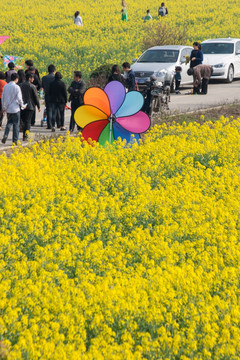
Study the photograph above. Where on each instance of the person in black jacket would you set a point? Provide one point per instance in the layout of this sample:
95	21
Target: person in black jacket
30	97
38	85
130	82
76	90
58	96
29	63
196	56
46	81
116	74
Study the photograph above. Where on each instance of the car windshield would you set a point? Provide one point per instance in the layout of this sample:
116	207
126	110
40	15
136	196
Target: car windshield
159	56
218	48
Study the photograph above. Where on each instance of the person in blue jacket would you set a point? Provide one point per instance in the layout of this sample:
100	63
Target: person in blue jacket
196	57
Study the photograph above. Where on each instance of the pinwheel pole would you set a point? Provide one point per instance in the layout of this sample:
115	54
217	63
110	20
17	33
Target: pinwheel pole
110	132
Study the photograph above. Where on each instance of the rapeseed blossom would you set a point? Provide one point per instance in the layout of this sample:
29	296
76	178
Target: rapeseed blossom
46	32
122	253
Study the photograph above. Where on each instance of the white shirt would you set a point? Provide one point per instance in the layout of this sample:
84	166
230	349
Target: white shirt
12	98
78	21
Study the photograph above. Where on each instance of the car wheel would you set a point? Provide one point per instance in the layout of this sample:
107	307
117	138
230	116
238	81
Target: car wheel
230	76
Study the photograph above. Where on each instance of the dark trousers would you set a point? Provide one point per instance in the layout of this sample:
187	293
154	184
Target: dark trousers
49	109
196	89
1	113
13	120
205	86
26	116
33	120
58	110
74	107
178	82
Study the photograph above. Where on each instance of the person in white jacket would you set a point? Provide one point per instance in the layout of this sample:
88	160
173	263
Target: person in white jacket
77	19
12	102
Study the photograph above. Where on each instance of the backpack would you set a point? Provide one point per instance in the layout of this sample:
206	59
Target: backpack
162	11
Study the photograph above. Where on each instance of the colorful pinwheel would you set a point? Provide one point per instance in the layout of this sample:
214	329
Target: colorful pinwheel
111	113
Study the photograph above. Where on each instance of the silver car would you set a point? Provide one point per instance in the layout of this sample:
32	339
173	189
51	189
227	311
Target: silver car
161	62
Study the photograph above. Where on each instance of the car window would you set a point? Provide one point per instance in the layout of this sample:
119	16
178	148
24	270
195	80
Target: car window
185	52
217	48
159	56
238	47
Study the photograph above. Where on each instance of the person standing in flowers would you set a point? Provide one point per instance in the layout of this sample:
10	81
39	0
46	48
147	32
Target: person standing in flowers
124	14
30	97
77	19
12	102
58	95
76	91
2	84
46	81
162	11
148	16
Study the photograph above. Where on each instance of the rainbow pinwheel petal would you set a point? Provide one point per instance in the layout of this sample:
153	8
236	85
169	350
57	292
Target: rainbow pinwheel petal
132	104
136	124
105	136
116	94
120	132
97	98
94	129
87	114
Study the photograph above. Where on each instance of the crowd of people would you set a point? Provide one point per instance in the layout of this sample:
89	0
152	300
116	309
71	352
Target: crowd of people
162	11
201	73
19	97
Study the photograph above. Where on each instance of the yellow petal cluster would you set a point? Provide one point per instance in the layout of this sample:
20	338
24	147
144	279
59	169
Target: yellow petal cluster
123	253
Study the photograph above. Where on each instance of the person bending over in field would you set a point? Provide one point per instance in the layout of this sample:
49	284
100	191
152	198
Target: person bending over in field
77	19
76	91
201	75
116	74
148	16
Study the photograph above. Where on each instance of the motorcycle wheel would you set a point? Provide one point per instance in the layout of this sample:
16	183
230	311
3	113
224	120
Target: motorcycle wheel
152	106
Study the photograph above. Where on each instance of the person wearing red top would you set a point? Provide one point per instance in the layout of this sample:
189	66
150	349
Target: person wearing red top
2	84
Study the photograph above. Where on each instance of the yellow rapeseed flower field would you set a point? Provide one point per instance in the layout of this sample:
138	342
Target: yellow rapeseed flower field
122	253
44	30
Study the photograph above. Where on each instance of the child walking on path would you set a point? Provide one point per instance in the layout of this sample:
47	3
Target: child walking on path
178	78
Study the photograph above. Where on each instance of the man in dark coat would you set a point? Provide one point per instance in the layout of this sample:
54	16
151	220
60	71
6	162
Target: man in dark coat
38	85
76	91
30	97
46	81
130	82
58	96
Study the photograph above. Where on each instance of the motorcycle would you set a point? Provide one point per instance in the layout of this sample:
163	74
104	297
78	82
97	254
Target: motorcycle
156	96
